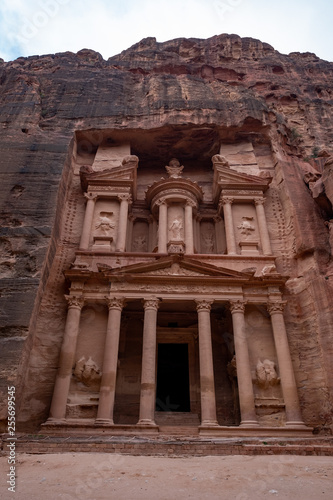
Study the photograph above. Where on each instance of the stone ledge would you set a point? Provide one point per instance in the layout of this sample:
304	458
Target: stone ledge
161	446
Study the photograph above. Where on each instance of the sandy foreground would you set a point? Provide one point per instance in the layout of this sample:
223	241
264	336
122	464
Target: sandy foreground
106	476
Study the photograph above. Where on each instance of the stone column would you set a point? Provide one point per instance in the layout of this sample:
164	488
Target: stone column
288	382
66	361
229	225
207	386
189	242
148	371
262	225
162	226
88	219
109	370
125	200
244	375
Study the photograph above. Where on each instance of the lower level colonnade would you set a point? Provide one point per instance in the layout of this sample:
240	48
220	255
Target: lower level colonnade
107	390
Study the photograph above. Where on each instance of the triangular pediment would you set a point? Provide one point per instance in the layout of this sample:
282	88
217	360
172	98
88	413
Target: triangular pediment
122	175
175	267
227	178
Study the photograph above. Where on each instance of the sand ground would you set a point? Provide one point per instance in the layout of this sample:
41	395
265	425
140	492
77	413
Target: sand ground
121	477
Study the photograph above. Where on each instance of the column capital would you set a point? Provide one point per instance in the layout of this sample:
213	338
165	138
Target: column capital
227	200
75	301
190	203
204	305
161	201
151	303
237	306
217	218
125	197
115	303
90	196
259	201
276	307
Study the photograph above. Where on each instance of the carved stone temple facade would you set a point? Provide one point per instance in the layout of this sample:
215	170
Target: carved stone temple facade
166	241
175	307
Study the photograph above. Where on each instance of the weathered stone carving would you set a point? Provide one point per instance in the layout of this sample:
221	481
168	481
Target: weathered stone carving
140	243
266	374
176	227
174	168
245	227
87	372
104	225
207	242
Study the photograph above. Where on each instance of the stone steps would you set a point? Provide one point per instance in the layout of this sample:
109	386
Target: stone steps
170	445
176	419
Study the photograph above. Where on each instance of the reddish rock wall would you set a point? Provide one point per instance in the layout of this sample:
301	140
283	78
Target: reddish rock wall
165	97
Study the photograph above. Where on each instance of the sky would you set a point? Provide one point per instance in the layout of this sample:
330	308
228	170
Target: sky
37	27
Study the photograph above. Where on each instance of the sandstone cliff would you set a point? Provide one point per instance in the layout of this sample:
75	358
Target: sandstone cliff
167	96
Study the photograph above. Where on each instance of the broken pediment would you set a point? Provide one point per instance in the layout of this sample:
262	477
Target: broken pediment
124	175
227	178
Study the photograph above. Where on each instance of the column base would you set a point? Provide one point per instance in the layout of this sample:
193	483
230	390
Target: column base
147	422
53	420
296	423
249	423
104	421
209	423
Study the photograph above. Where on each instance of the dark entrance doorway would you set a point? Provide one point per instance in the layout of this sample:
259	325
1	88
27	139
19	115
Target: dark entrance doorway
172	392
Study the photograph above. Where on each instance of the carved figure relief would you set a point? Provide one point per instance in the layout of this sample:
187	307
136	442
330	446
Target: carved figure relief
245	227
104	225
87	372
140	243
174	168
266	374
207	242
176	227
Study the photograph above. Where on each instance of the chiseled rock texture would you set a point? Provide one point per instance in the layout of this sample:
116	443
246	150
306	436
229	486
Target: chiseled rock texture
222	89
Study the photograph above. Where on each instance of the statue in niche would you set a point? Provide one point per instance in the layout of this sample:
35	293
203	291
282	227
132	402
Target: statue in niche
208	242
104	224
245	227
87	372
140	243
174	168
175	227
266	374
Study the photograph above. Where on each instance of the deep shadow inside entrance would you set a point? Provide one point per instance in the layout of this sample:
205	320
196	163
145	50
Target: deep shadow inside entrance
172	392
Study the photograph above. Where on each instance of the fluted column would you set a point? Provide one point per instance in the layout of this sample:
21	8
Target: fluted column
229	225
207	386
88	219
125	200
148	371
162	226
262	225
109	370
66	361
189	242
244	375
286	371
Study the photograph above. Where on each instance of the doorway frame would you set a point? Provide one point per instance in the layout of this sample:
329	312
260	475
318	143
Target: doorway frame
189	336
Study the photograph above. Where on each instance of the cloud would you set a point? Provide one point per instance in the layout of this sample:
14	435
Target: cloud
30	27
